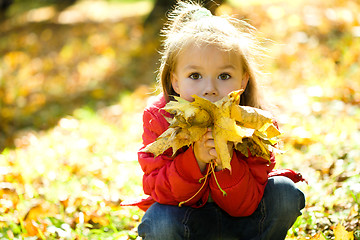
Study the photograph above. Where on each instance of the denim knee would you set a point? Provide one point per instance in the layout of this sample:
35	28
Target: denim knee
284	196
161	222
280	206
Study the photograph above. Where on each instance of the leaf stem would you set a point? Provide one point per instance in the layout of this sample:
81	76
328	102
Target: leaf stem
202	186
212	163
210	170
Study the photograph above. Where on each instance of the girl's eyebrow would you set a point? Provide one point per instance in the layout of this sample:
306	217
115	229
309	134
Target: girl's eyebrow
192	67
228	66
198	67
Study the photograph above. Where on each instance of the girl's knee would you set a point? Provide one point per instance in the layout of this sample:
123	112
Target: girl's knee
285	197
157	229
160	222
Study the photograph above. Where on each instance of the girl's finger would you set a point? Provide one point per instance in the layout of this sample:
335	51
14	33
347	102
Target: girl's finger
210	143
218	161
209	135
213	153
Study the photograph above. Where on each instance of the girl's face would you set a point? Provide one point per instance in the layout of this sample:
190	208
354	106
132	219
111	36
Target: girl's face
208	72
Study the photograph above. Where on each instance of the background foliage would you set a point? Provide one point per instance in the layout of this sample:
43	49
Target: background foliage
74	82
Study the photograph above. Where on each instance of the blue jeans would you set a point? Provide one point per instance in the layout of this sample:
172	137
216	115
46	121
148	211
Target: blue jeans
276	213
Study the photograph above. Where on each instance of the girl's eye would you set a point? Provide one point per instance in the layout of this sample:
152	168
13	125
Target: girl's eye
195	76
224	76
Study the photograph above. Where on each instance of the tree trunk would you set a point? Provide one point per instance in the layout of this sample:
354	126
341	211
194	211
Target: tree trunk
4	5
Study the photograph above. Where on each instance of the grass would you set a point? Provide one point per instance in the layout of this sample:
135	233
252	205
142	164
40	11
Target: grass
69	177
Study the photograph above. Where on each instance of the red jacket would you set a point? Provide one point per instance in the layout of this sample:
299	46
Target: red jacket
171	180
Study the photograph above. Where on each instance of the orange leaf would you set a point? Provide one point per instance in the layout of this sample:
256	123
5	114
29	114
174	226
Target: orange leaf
8	197
34	221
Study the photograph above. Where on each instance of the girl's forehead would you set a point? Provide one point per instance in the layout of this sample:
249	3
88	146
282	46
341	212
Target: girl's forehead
196	49
203	54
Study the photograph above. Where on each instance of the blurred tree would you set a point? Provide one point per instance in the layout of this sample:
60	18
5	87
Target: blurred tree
60	5
158	13
4	5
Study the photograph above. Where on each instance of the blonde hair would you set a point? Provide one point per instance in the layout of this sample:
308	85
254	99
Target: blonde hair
190	23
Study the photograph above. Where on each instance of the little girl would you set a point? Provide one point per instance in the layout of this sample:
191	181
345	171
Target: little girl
210	56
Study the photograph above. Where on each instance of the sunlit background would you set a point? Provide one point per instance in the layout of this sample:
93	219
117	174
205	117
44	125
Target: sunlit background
76	75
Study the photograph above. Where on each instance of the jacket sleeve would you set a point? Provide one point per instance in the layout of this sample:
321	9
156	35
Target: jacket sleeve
244	185
167	179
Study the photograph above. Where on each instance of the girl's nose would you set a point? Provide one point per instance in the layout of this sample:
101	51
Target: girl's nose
210	88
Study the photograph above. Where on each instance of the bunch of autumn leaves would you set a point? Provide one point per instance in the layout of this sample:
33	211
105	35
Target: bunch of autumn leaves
249	129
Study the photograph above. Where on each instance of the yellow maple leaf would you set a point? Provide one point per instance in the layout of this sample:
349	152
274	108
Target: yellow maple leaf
341	233
188	113
225	130
230	123
251	117
161	144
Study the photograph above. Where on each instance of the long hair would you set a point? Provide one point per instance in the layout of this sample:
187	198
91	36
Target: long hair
190	23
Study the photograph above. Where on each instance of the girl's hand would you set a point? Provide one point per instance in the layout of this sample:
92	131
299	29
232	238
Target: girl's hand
204	149
205	152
